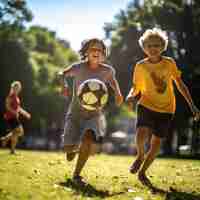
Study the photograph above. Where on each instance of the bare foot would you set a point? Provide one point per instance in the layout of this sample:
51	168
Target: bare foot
78	180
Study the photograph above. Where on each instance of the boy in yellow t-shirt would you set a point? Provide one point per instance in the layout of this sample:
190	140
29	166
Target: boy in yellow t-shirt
153	87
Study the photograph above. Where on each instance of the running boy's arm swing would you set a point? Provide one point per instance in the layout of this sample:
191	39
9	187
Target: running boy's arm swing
186	94
24	113
132	98
115	86
176	76
20	110
67	72
134	93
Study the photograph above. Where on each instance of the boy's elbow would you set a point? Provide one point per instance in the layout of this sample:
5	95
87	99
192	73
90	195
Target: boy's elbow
183	89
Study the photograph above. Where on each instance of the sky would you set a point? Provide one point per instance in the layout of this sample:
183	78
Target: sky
75	20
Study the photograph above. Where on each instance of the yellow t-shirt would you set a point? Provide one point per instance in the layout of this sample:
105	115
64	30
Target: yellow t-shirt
155	84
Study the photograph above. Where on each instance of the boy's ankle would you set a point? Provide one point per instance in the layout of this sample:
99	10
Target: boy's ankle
12	151
140	157
75	174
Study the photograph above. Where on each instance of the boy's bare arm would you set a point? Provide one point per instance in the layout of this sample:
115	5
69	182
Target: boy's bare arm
62	75
24	113
132	98
68	71
186	94
115	86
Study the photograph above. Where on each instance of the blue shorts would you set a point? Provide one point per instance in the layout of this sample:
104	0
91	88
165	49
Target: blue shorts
160	123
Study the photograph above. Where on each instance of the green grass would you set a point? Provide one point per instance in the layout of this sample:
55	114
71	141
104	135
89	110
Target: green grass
32	175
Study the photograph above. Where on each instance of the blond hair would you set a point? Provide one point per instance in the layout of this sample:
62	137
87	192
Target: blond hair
155	32
16	83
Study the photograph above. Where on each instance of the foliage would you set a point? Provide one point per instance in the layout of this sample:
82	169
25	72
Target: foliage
32	55
14	13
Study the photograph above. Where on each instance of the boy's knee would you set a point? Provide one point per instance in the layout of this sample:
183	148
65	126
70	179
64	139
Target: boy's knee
89	138
94	148
19	131
88	142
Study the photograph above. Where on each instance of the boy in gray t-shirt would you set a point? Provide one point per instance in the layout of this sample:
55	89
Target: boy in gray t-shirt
84	129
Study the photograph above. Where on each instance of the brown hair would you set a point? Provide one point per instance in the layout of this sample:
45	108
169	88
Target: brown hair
86	44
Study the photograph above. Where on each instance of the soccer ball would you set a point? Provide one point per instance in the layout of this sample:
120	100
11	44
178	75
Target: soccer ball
93	94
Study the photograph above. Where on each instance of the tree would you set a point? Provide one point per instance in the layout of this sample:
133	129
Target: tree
32	56
14	12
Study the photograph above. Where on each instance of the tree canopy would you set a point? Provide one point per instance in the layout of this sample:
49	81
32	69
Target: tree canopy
33	56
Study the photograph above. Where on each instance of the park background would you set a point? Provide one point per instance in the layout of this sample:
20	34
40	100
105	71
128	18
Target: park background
33	53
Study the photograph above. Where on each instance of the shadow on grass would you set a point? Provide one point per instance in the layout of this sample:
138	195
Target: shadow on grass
176	195
156	190
88	190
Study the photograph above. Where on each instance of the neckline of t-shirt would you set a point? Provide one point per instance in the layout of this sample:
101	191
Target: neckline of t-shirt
161	60
91	69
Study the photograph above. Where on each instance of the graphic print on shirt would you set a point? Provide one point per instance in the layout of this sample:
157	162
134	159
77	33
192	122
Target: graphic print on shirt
159	82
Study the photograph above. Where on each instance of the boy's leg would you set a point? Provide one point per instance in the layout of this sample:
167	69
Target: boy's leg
141	135
154	149
17	132
71	151
5	139
14	140
71	137
84	152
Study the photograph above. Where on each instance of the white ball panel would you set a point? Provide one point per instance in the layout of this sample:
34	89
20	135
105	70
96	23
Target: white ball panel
94	86
88	107
89	98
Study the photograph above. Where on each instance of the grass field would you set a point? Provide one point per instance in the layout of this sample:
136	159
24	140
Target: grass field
32	175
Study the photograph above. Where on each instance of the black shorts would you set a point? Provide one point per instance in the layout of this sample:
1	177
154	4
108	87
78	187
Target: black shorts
159	122
13	123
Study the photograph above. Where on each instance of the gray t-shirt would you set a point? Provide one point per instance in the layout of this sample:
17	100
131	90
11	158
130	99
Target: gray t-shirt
81	72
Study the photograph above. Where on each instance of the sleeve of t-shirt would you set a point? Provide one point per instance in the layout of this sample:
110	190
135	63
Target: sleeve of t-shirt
71	71
137	80
176	73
